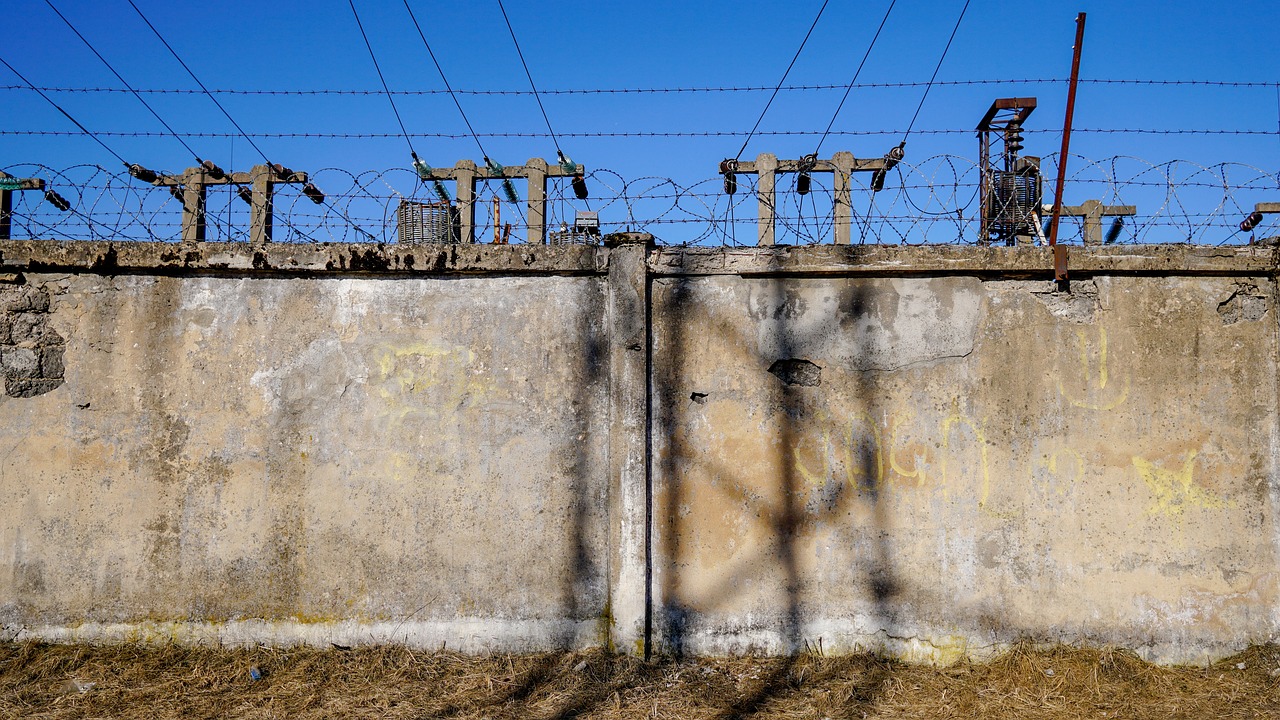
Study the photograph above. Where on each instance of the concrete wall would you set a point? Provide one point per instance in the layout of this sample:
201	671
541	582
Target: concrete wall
706	451
322	459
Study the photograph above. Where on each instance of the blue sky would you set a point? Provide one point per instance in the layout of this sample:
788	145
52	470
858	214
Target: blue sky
580	45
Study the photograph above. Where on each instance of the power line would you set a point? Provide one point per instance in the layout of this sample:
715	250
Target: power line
390	99
856	73
66	114
912	124
123	81
783	80
444	79
529	75
202	87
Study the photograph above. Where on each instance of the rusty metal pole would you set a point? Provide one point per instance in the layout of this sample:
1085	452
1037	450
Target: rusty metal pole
1060	253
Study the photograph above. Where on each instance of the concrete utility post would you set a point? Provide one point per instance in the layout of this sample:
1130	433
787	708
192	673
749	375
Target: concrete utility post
536	171
842	165
1093	211
8	185
261	180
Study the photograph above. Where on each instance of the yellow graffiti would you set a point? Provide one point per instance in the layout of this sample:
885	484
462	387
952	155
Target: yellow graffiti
1174	490
854	467
1092	388
918	467
406	371
957	419
872	441
1076	462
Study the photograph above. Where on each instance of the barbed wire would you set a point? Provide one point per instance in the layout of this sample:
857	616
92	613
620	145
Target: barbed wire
670	90
634	133
933	201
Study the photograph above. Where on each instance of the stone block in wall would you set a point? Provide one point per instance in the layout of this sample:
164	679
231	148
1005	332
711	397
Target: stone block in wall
31	350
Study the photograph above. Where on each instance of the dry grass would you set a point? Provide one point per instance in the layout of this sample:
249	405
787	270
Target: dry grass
153	683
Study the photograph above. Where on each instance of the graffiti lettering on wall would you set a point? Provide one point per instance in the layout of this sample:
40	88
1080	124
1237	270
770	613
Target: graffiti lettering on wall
1095	388
421	380
1174	491
949	453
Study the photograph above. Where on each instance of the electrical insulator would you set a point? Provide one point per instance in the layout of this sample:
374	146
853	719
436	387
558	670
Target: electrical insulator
441	192
1251	221
895	155
313	193
803	180
142	173
57	200
510	191
729	168
420	167
495	170
1113	232
877	180
176	192
580	187
568	165
282	172
213	170
245	194
1013	137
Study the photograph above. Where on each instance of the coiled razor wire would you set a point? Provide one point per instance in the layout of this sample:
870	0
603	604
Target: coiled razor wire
933	201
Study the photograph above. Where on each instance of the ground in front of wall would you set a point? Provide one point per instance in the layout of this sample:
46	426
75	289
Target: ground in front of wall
155	683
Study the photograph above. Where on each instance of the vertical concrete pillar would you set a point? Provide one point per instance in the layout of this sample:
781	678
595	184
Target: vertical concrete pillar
260	220
843	162
464	173
629	496
767	170
193	204
536	172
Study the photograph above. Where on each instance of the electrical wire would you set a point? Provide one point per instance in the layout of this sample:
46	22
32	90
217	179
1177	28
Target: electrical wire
856	73
385	89
444	79
124	82
66	114
529	75
783	80
927	87
197	80
648	134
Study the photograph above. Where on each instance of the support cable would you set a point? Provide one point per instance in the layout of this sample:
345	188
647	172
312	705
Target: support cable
783	80
927	87
124	82
448	87
854	81
385	89
197	80
66	114
529	75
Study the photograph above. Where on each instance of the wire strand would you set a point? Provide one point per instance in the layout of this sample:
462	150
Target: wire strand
385	89
202	87
529	75
927	87
856	73
783	80
123	81
66	114
444	79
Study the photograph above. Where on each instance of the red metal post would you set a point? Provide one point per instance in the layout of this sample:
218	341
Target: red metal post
1060	265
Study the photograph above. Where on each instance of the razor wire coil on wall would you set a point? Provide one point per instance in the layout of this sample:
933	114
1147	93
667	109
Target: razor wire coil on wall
933	201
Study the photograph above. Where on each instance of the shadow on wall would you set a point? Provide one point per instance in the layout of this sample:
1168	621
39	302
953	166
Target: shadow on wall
775	507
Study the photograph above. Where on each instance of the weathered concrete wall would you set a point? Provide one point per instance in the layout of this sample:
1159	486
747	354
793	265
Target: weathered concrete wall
687	450
941	465
321	459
